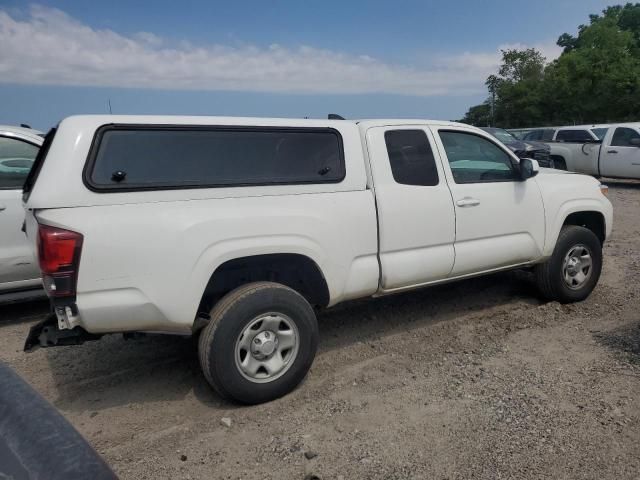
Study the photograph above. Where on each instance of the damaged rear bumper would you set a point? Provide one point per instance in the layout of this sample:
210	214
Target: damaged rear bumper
48	334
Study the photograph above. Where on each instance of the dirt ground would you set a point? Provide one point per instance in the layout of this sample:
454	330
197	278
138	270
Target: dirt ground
472	380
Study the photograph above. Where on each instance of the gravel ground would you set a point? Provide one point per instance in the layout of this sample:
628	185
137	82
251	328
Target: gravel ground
478	379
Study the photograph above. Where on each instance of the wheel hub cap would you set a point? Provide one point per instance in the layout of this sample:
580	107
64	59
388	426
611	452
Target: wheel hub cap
576	267
267	347
264	344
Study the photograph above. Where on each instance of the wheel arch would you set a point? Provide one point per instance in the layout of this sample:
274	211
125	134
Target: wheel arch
584	213
560	152
591	220
297	271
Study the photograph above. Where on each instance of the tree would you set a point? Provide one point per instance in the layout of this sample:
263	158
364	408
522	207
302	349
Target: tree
596	79
511	92
478	115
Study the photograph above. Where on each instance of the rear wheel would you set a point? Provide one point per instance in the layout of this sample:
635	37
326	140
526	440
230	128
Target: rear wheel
573	270
260	342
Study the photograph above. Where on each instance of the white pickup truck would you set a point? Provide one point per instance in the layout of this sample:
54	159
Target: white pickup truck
604	151
238	229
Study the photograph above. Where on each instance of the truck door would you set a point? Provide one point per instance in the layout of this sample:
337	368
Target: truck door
620	155
415	210
499	218
18	267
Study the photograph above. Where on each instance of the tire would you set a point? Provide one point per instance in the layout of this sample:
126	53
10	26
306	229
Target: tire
562	281
251	326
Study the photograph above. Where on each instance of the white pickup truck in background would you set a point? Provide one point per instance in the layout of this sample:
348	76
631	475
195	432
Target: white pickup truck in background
239	229
616	155
599	150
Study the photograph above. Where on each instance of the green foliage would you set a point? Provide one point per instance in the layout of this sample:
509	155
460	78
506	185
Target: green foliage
479	115
596	79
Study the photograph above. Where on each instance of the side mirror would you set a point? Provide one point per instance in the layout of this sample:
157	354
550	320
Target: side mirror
529	168
635	142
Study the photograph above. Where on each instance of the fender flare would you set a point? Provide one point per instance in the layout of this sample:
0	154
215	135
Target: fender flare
567	208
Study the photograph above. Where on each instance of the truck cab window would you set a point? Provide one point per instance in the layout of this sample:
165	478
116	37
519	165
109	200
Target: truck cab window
474	159
622	137
533	135
16	158
577	136
411	157
547	135
599	132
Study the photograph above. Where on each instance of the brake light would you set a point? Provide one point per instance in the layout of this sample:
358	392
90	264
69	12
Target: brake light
59	257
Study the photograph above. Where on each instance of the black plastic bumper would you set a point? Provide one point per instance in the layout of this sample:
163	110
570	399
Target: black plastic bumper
47	334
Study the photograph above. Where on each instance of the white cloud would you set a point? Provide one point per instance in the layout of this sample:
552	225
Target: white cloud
50	47
549	50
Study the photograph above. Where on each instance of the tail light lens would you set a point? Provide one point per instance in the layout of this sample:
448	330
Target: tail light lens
59	257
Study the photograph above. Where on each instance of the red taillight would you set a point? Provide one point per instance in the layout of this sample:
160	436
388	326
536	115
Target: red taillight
59	256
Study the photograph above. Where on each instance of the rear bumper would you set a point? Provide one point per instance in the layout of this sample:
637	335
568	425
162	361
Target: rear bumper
47	334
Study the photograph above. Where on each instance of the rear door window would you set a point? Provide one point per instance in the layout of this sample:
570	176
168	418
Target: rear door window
126	157
411	157
16	160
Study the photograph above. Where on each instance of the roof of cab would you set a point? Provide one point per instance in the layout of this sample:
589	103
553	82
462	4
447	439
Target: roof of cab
21	132
226	120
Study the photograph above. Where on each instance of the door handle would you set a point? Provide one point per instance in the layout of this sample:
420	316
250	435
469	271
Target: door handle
2	207
468	202
612	151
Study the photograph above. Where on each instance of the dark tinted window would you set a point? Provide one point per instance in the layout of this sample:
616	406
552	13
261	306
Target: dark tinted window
622	137
599	132
217	156
16	159
37	164
573	136
474	159
547	134
411	158
540	134
533	135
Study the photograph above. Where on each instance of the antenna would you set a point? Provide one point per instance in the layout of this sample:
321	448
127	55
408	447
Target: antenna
334	116
109	101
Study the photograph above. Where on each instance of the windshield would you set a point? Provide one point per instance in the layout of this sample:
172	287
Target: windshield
502	135
599	132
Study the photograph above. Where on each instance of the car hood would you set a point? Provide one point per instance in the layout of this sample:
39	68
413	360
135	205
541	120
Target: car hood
520	146
554	171
536	145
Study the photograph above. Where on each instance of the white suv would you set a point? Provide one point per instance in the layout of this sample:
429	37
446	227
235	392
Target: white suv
239	229
19	271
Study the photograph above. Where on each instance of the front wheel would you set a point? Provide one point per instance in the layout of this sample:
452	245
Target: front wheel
573	270
260	342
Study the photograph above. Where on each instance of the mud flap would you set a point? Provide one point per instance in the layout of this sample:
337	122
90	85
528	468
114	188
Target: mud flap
47	334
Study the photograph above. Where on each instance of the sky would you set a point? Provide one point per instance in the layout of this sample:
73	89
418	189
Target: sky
279	58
